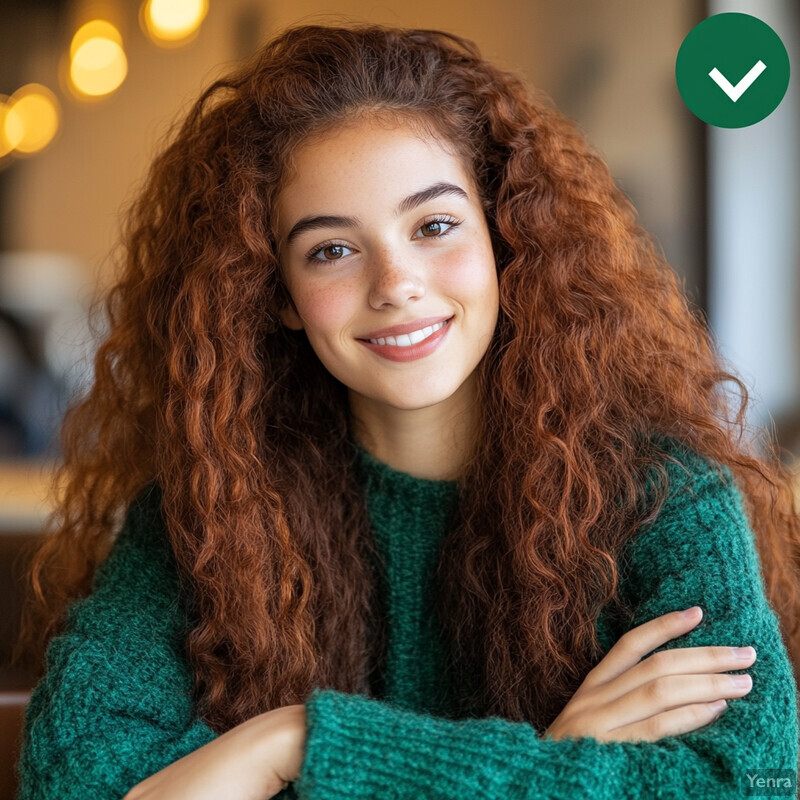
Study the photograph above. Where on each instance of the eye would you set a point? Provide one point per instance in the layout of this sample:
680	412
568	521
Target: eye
432	228
333	249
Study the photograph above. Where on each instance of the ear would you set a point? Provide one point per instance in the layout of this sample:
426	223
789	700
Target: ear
290	318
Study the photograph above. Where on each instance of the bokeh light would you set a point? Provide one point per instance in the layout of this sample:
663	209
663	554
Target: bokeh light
8	141
98	65
96	29
30	119
172	22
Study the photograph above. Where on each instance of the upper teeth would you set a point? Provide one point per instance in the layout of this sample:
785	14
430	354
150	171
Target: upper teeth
407	339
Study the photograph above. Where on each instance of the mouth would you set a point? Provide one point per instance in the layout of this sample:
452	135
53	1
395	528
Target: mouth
410	339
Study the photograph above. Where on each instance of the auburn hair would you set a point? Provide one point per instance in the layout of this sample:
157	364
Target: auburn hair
199	388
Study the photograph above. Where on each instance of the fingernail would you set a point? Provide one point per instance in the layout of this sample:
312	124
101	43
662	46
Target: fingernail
717	705
694	611
743	652
742	681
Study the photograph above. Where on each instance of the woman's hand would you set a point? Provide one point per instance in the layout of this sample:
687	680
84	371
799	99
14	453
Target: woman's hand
253	761
671	692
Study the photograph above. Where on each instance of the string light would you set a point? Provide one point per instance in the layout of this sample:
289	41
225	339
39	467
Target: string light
172	22
8	141
98	65
30	120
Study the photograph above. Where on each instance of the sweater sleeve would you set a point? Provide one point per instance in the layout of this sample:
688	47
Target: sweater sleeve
114	705
699	551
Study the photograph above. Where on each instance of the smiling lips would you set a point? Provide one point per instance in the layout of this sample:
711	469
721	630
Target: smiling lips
407	339
410	346
405	327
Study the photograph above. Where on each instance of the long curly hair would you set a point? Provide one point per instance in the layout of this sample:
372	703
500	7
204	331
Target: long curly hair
199	388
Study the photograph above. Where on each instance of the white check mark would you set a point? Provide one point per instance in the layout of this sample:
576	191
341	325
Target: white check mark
735	92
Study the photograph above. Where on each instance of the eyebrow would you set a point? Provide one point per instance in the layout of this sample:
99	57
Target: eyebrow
407	204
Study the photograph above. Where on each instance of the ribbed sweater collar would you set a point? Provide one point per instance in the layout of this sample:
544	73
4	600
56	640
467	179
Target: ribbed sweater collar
380	480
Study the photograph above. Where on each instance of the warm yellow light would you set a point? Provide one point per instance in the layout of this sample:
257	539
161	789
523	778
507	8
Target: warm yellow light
96	29
8	141
31	118
98	65
173	21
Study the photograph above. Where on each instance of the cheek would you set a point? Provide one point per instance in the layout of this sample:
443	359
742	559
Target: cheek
325	308
472	274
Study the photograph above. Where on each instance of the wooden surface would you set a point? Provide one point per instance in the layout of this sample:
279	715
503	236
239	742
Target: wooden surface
24	487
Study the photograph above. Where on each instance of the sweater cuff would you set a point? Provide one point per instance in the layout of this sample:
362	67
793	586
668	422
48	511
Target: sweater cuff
359	747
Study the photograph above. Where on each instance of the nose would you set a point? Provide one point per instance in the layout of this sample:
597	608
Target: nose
394	280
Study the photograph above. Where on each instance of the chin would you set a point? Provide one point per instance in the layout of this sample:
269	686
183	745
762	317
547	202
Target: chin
415	400
412	396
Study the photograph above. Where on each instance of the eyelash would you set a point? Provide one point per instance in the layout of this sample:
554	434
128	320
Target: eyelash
451	221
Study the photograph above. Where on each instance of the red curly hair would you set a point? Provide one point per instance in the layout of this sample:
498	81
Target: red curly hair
200	389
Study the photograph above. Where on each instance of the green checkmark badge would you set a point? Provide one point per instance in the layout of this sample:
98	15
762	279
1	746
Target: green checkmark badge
732	70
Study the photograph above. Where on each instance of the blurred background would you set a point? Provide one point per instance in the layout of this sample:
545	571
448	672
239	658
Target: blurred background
88	90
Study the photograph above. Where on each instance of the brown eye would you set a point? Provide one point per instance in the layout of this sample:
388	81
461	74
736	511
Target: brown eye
333	251
433	228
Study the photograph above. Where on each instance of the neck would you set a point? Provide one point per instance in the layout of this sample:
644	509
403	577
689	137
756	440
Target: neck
432	443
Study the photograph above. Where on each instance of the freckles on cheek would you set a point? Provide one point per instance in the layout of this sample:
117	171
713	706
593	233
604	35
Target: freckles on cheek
327	308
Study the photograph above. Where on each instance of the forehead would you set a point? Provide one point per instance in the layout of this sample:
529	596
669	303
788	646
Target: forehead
365	160
371	123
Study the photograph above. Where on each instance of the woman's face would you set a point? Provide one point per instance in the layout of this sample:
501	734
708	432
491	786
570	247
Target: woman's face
379	227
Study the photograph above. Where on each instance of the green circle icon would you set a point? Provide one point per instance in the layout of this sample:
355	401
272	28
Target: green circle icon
732	70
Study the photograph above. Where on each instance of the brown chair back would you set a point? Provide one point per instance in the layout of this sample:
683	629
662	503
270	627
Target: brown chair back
12	714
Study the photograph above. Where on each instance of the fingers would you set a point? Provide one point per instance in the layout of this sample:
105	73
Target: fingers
680	661
634	645
672	692
669	723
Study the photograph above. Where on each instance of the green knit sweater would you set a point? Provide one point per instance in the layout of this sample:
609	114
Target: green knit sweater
115	703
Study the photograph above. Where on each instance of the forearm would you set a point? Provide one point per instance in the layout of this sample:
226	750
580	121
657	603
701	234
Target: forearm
253	761
362	748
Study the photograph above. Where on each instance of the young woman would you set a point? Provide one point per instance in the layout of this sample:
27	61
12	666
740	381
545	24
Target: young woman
421	455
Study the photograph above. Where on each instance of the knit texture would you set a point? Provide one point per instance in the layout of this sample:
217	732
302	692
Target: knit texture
409	517
115	703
